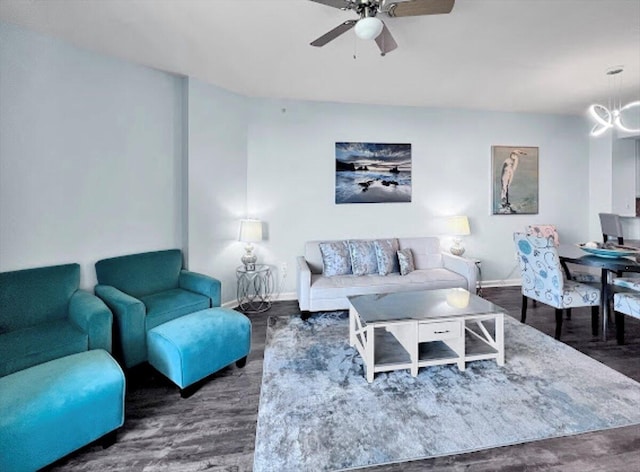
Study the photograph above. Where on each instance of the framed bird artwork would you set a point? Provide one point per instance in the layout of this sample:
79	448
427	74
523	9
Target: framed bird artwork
514	172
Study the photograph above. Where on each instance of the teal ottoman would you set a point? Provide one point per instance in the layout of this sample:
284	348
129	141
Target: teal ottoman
194	346
52	409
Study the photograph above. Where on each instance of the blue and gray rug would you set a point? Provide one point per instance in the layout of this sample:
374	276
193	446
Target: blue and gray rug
317	411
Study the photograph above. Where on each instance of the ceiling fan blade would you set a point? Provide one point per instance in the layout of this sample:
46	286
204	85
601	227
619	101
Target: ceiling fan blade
342	4
385	41
419	7
334	33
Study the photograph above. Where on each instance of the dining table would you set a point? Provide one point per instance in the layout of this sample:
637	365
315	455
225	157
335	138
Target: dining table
573	254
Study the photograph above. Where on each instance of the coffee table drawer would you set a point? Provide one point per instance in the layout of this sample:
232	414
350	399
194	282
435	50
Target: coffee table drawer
439	331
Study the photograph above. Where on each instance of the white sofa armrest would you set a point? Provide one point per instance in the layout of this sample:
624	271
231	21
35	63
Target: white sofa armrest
463	266
303	285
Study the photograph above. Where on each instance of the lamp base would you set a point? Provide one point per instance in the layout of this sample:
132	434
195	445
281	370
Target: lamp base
249	258
457	249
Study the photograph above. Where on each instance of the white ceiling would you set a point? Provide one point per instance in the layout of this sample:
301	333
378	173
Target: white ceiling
511	55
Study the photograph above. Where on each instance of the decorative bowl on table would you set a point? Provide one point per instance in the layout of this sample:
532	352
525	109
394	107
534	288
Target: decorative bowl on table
609	251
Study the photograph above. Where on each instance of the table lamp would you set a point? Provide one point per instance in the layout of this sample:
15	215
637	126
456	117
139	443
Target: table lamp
250	232
458	226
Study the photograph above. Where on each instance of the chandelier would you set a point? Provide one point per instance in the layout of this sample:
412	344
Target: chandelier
608	117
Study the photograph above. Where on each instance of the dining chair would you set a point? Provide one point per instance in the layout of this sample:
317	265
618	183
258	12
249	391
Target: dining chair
611	226
550	231
625	303
543	280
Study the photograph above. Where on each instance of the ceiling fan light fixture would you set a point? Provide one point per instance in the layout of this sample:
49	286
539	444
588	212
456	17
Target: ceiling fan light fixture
368	28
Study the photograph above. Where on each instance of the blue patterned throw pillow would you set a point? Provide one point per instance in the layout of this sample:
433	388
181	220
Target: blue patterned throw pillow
335	258
363	257
387	256
405	258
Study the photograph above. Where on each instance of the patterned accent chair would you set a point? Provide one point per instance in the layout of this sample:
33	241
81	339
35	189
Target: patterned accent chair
626	303
550	231
543	280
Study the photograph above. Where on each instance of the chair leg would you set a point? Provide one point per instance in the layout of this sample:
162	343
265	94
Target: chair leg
523	312
558	322
619	327
190	390
594	320
568	313
109	439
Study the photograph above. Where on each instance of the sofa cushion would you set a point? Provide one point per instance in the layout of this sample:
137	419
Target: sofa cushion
141	274
335	258
386	256
405	259
33	296
170	304
346	285
363	257
426	251
27	347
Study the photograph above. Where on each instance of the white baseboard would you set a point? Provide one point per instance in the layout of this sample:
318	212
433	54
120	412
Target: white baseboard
288	296
282	297
501	283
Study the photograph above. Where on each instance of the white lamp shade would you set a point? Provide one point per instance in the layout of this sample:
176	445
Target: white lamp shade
250	231
368	28
458	226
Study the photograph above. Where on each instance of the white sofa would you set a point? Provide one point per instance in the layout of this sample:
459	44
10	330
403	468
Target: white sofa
434	269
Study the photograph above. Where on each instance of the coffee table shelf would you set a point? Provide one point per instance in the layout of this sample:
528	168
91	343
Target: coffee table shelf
412	330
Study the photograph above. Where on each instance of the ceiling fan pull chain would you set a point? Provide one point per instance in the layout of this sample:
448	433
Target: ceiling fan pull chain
355	48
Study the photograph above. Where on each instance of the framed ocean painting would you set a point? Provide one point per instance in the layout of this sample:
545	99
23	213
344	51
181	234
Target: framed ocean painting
515	180
373	173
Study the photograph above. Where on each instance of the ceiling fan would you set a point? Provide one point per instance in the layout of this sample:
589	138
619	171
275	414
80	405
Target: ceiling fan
371	27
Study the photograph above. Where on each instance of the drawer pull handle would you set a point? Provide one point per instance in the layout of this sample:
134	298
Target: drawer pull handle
441	332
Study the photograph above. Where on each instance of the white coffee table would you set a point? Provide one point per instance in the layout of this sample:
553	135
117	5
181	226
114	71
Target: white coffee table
409	330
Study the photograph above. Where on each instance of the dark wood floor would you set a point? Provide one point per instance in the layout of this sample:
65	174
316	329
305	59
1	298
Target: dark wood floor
215	428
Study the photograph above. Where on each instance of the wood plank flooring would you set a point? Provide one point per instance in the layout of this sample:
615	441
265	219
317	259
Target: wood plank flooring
215	428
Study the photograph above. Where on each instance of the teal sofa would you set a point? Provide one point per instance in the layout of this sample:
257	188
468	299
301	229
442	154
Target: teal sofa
43	316
146	290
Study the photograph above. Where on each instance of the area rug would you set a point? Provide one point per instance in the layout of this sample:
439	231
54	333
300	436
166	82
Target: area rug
317	412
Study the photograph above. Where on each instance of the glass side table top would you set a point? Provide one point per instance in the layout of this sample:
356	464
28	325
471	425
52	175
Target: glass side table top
421	305
260	268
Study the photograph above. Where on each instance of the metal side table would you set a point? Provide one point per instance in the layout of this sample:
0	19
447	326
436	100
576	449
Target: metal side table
255	288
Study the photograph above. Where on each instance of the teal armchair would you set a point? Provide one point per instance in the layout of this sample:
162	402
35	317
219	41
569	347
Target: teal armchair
146	290
44	316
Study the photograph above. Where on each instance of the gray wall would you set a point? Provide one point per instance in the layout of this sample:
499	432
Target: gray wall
90	155
100	157
217	181
291	175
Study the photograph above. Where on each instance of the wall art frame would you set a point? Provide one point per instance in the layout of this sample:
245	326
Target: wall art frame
372	172
515	180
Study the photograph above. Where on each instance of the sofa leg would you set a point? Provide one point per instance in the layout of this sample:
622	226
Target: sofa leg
305	315
109	439
568	313
241	362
